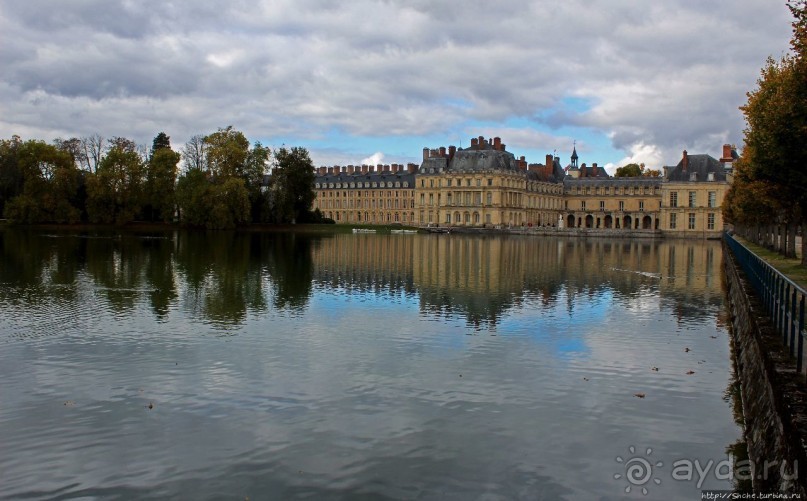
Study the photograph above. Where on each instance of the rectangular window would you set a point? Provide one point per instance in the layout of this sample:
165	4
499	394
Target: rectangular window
431	200
479	182
621	205
641	205
448	183
490	182
583	204
712	199
673	221
602	204
673	199
692	196
710	221
691	220
490	198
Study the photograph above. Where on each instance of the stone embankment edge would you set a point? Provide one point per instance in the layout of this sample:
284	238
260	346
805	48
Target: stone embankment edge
774	395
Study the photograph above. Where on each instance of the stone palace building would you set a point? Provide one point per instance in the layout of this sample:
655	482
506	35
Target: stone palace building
486	186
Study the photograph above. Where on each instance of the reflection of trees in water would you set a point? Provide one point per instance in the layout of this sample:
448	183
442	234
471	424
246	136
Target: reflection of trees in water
223	275
290	265
36	269
221	280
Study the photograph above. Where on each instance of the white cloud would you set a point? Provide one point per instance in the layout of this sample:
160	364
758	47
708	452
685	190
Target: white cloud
640	153
665	75
374	159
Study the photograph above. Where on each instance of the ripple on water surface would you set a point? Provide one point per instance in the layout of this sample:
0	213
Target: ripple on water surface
271	366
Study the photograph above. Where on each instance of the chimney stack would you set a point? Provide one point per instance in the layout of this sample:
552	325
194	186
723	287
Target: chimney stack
594	169
727	154
451	151
442	151
497	143
685	161
425	153
412	167
474	143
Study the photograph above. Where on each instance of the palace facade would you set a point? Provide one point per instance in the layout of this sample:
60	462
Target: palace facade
486	186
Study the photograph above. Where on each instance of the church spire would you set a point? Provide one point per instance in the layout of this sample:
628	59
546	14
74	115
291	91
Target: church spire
574	155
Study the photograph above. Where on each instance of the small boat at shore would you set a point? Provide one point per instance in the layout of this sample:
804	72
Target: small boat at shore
363	230
404	232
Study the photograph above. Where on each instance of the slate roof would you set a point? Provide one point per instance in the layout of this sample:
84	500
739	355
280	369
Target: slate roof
698	169
344	177
471	160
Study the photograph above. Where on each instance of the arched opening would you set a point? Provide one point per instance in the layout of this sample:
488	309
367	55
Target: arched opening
647	223
457	219
467	217
476	218
656	223
570	221
628	222
609	221
589	221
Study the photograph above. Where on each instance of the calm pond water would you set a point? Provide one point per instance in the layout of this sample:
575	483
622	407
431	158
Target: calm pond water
276	366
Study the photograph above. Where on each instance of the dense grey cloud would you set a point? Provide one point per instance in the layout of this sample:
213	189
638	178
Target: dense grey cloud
656	76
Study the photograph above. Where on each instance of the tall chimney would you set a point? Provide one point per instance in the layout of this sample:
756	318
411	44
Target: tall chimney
727	154
451	151
497	143
350	169
474	143
412	167
425	153
685	161
594	169
442	151
583	170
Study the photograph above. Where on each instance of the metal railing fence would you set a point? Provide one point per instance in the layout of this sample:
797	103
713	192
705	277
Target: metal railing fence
783	299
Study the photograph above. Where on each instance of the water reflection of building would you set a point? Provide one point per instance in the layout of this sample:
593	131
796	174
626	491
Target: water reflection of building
365	262
481	278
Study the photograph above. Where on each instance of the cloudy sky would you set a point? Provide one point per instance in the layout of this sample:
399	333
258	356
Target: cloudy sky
365	80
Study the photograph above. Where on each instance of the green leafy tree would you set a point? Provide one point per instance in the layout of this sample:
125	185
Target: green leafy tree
11	179
50	183
161	141
256	168
115	193
161	177
292	184
192	197
630	170
227	152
